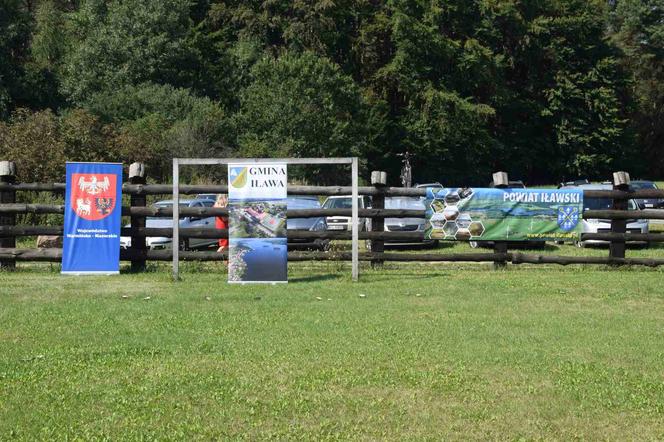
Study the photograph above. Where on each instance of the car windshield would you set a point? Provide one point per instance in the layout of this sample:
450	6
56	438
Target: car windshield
206	196
597	203
603	204
170	204
404	203
303	203
643	185
338	203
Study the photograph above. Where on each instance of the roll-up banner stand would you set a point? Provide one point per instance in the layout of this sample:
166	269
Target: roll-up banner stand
93	212
257	229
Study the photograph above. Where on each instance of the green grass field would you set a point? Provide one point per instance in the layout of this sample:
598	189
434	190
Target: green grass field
428	352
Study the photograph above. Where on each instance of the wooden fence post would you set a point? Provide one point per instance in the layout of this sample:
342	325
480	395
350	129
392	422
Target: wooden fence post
500	181
379	181
617	246
137	176
7	176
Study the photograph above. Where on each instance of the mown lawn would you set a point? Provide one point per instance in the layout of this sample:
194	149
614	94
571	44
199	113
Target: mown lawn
429	352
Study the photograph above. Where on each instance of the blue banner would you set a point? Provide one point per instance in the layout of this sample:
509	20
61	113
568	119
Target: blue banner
257	211
93	213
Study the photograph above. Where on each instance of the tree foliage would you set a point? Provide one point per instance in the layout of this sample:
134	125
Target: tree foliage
301	106
638	27
547	89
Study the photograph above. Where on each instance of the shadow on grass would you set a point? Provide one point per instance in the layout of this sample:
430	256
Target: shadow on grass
315	278
403	275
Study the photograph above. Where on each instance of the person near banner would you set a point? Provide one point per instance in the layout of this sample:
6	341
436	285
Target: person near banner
221	222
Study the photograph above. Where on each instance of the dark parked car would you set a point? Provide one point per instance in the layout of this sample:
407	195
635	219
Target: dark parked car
306	224
161	242
578	182
646	203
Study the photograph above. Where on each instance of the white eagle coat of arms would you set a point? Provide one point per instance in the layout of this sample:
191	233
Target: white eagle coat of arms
93	187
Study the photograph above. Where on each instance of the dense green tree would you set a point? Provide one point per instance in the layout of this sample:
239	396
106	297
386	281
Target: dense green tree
158	122
126	42
301	106
14	33
638	27
580	94
544	89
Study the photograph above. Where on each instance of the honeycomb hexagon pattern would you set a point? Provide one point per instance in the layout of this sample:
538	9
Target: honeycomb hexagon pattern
455	224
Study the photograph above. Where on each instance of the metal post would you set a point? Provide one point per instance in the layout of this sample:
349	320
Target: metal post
355	223
617	247
8	176
176	219
378	180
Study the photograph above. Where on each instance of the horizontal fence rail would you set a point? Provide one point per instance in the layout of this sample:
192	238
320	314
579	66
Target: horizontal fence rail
55	255
188	232
307	213
218	211
193	189
212	233
138	253
189	189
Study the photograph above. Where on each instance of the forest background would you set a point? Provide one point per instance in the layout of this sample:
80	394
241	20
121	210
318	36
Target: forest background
547	90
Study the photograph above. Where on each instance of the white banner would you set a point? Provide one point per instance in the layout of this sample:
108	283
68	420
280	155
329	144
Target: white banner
257	213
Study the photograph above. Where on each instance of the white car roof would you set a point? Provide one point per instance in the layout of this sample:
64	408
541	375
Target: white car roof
331	197
590	187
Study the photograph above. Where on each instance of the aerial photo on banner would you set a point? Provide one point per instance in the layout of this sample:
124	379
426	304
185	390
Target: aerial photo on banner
257	214
487	214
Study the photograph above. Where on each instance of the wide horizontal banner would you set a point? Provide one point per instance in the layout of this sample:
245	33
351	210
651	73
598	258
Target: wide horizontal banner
478	214
93	199
257	222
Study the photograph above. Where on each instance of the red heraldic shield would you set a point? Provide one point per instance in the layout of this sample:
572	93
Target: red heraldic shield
93	195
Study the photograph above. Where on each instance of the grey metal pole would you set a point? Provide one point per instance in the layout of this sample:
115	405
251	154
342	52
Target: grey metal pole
355	222
176	219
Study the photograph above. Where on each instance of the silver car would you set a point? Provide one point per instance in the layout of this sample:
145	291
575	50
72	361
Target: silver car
604	225
345	202
306	224
162	242
405	224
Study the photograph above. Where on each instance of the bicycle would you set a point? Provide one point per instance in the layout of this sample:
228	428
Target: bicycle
406	175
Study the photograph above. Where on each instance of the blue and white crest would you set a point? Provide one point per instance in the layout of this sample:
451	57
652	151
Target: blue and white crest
568	218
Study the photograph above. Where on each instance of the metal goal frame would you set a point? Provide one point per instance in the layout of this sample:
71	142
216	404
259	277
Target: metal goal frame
177	162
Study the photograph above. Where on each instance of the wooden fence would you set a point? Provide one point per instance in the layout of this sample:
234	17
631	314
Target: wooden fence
138	253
